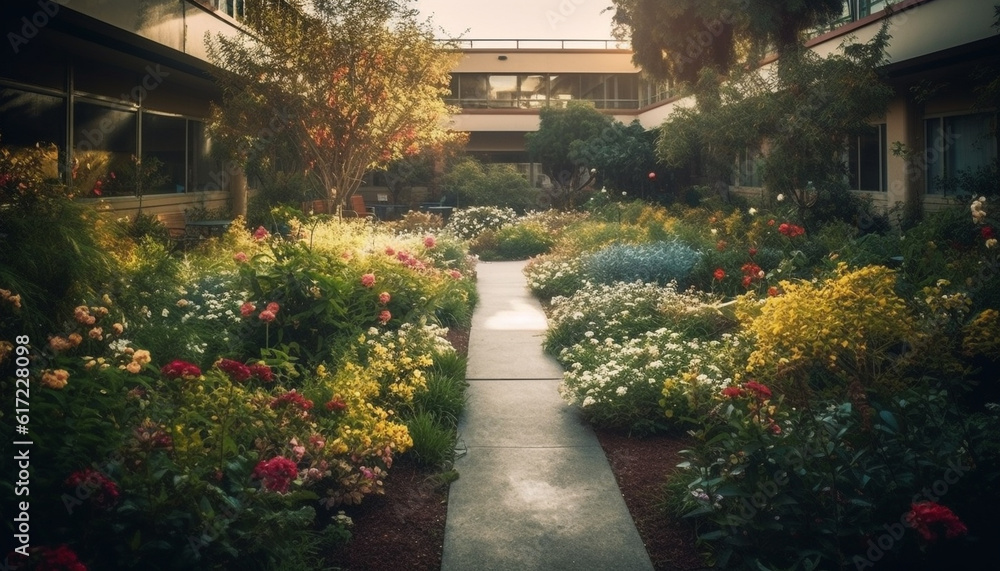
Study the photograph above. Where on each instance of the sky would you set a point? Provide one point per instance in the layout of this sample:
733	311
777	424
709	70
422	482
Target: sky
520	19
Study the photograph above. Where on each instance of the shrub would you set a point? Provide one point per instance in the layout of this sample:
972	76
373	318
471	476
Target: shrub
417	222
433	441
519	241
468	223
472	183
818	336
551	276
658	262
617	384
621	311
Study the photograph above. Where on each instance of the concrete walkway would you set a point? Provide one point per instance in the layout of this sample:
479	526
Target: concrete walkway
535	490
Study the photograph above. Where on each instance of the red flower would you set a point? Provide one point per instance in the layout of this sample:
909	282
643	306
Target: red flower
337	404
368	280
429	242
61	558
239	257
266	316
178	369
389	251
237	372
292	398
929	518
384	316
719	274
760	391
987	232
791	230
783	228
732	392
273	307
261	372
260	233
94	485
455	274
276	474
772	291
747	281
770	222
384	297
752	252
720	245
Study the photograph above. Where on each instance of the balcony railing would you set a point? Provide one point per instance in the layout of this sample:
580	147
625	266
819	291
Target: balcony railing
520	44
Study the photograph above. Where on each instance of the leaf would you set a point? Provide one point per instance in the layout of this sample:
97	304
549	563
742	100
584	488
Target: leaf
889	420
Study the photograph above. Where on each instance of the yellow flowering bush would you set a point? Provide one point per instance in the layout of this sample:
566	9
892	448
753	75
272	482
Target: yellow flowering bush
979	337
846	327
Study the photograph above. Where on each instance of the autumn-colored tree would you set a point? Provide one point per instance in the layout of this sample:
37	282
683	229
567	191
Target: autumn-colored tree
350	85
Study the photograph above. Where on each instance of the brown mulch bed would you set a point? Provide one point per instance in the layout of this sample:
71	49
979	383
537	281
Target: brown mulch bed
640	467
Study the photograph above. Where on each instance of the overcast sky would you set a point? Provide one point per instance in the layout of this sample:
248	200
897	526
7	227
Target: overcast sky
520	19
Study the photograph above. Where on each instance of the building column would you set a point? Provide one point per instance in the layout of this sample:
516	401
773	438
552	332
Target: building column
238	192
904	124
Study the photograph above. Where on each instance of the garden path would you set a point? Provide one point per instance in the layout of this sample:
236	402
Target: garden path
535	490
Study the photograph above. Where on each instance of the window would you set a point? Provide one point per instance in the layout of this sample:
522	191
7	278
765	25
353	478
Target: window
104	145
28	118
533	91
958	144
503	91
164	141
204	172
748	172
866	160
232	8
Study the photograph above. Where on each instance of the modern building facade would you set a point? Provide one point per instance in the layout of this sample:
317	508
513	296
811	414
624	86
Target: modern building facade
106	82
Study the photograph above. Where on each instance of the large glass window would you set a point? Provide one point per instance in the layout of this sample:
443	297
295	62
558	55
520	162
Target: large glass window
104	148
563	88
164	142
958	144
533	91
503	91
27	119
866	160
204	172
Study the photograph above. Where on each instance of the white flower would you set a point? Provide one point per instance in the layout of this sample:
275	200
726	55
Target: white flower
752	211
780	197
165	313
714	231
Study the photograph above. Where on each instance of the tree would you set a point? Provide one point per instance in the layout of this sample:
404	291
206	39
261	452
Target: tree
801	110
556	146
472	183
350	85
624	156
678	39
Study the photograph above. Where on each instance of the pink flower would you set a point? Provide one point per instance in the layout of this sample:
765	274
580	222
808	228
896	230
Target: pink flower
266	316
389	251
455	274
384	297
260	233
429	242
97	485
239	257
368	280
273	307
384	316
247	309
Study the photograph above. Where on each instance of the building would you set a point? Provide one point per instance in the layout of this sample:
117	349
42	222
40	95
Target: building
108	81
499	86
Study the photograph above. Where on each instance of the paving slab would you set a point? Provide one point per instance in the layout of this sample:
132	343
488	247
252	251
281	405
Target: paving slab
535	491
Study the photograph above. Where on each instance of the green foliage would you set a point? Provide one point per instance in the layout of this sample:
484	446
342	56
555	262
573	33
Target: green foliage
657	262
472	183
623	155
557	145
433	443
517	241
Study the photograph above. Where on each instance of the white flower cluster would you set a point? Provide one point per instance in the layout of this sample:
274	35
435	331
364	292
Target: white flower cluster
548	276
606	372
468	223
607	309
417	338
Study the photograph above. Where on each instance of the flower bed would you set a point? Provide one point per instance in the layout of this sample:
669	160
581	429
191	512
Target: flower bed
219	409
828	397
